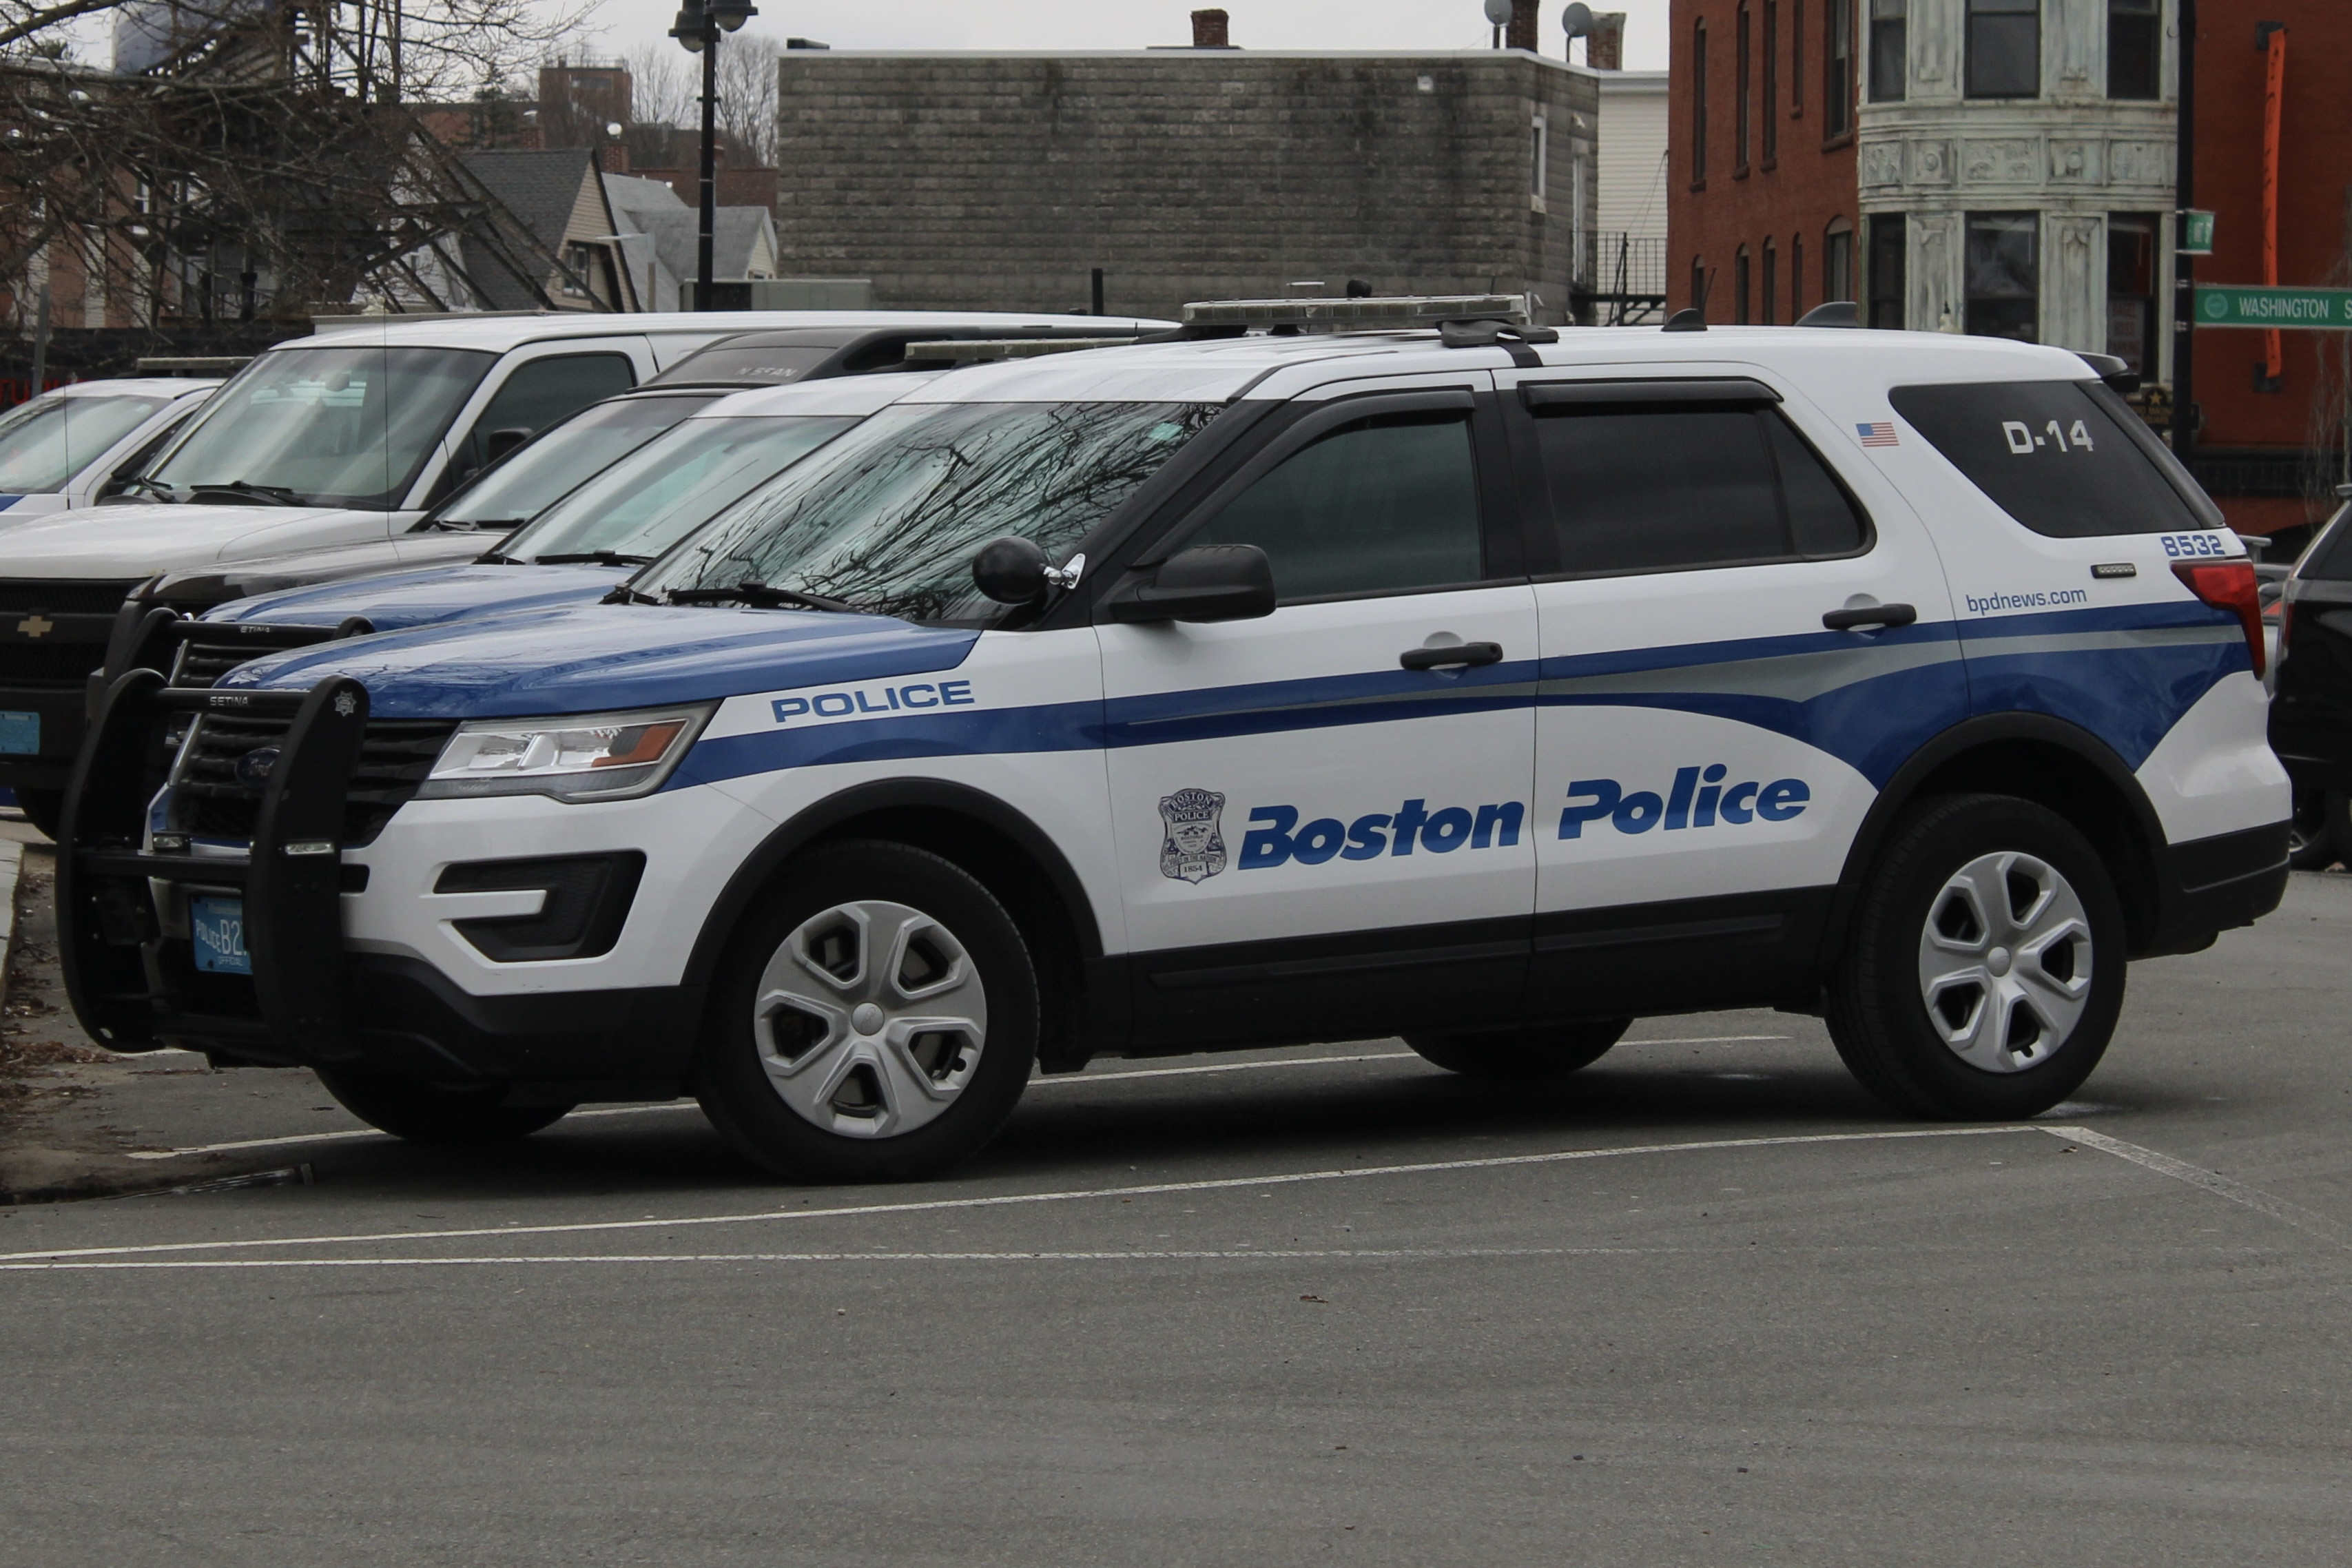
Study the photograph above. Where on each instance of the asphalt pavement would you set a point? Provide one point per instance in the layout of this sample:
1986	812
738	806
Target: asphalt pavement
1706	1302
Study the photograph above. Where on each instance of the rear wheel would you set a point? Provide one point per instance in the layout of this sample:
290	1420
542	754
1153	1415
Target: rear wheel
44	808
426	1113
1985	968
1524	1055
875	1019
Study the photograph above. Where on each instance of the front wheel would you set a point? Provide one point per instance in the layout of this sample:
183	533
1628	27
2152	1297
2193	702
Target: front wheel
2320	834
876	1018
1526	1056
426	1113
1985	971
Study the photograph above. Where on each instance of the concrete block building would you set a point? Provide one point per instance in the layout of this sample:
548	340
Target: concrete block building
1000	180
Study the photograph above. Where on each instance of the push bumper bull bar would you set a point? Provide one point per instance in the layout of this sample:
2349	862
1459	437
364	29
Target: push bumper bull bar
135	985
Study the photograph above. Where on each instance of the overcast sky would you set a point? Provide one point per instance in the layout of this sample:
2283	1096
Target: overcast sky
625	25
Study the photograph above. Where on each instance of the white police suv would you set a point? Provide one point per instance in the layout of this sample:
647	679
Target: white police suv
1465	684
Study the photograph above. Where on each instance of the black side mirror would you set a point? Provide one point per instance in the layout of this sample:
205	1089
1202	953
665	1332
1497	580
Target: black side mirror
499	443
1206	583
1010	571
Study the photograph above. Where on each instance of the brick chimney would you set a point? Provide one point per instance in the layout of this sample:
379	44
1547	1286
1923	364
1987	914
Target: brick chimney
1209	30
1521	34
1604	47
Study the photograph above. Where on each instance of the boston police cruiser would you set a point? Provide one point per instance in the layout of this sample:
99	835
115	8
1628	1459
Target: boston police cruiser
1476	684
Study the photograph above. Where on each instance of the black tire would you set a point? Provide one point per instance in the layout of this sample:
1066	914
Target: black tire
974	1075
2320	835
1522	1055
1879	1014
44	808
426	1113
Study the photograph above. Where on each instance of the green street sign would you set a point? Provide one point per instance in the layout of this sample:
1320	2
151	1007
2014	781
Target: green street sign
2219	305
2196	233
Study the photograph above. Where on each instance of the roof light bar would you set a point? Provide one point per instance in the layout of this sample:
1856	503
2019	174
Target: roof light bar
1357	315
987	351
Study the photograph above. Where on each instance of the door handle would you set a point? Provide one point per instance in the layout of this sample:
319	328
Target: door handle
1870	615
1445	657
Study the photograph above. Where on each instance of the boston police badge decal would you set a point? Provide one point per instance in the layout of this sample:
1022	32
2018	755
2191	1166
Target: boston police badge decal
1191	848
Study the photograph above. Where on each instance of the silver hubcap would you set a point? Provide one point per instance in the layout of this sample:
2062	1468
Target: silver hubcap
2005	961
870	1019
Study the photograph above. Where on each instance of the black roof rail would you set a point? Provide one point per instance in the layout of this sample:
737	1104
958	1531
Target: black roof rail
1835	313
2115	372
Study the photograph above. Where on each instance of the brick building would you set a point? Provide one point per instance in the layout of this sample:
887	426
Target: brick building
998	180
2007	167
1762	208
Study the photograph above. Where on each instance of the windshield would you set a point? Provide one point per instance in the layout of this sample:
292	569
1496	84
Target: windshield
325	426
890	516
670	488
47	441
536	475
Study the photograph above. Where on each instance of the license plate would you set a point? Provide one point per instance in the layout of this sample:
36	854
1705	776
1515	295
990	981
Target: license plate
20	734
220	936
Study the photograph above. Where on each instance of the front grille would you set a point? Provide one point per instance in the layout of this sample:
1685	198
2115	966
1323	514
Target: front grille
212	802
24	595
48	666
203	664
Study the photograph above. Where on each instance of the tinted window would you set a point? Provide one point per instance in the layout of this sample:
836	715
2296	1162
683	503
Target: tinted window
47	441
1660	488
563	459
2050	455
542	391
1384	505
2332	562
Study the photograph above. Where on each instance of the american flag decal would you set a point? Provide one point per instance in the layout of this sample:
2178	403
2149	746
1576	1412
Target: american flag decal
1879	435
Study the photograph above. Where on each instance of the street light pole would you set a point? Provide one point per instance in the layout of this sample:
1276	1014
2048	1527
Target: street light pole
698	29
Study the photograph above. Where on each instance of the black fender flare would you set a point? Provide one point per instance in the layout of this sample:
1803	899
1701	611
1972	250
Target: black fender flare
859	800
1967	735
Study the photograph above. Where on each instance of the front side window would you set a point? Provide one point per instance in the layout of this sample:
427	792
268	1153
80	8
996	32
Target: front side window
888	519
1386	505
2004	48
325	426
1658	489
2057	456
561	459
1889	49
2003	274
46	442
671	486
1888	243
2134	49
539	392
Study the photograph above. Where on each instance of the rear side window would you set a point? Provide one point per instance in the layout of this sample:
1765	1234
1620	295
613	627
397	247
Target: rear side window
1384	506
2051	455
1663	489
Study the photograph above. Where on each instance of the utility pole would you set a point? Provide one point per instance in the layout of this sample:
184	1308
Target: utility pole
2184	268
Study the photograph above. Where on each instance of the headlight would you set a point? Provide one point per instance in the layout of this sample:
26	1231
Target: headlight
597	756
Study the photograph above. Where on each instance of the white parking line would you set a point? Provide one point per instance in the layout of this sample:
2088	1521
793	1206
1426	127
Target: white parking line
1373	1254
1008	1200
1063	1081
2213	1182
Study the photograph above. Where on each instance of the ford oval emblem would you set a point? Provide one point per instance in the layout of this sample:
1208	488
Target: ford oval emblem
253	768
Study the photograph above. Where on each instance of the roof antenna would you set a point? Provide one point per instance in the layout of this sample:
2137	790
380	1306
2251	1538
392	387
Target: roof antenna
1693	318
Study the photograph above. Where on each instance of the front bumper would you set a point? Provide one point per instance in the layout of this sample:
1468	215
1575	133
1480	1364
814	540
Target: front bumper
310	999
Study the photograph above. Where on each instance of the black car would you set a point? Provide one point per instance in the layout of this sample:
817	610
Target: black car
2311	705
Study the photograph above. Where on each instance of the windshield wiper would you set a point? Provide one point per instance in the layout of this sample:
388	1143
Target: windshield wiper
592	558
141	481
459	525
761	596
276	495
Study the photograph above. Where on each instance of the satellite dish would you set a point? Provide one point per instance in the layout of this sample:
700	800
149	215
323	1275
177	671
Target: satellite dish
1577	20
1498	12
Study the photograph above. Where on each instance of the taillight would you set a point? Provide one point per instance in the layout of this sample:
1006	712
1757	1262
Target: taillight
2230	585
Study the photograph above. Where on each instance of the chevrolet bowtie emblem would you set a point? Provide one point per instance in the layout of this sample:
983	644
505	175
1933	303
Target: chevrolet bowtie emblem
34	625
